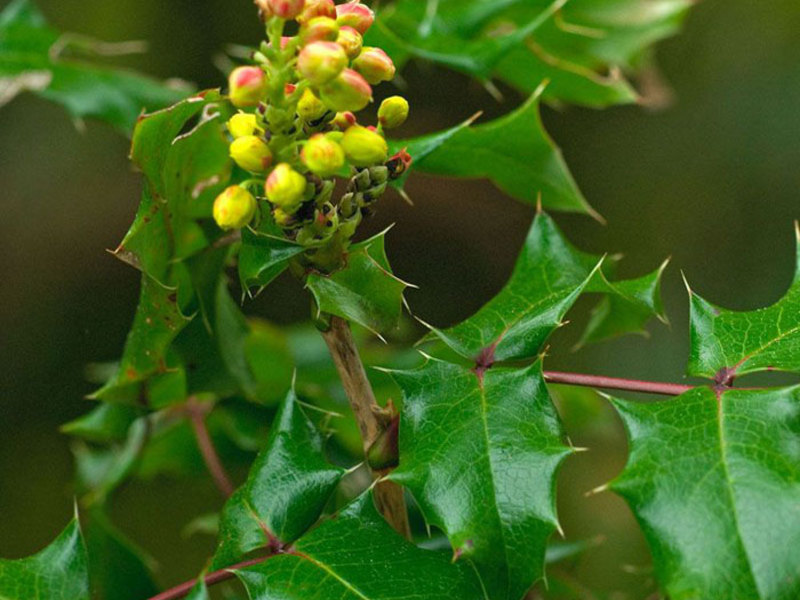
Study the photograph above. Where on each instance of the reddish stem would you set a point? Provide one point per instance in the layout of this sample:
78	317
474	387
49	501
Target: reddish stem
182	590
616	383
197	417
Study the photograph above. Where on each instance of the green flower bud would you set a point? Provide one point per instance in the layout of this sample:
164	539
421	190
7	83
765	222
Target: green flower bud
323	156
285	188
364	147
356	15
319	29
321	62
379	174
350	40
375	65
234	208
310	108
284	219
251	153
286	9
317	8
242	124
248	85
347	92
347	227
393	112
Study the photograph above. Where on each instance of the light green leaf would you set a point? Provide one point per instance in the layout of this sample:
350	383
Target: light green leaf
357	556
727	343
479	452
64	68
289	484
199	591
365	291
714	480
59	572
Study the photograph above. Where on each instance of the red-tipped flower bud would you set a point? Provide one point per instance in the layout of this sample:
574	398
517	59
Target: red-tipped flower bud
321	62
347	92
285	187
286	9
247	86
364	147
393	112
310	108
251	153
317	8
242	124
319	29
375	65
356	15
234	208
399	164
323	156
351	41
344	120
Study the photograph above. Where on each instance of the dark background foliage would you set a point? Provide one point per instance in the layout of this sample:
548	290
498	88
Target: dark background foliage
711	181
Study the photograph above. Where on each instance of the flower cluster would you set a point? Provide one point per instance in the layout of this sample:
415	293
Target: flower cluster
296	128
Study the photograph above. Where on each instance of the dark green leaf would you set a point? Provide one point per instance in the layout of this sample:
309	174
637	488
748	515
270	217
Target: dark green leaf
37	58
103	424
357	556
288	486
479	451
265	254
59	572
365	291
714	479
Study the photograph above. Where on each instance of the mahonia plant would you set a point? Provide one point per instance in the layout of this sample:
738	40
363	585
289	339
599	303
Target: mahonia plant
275	174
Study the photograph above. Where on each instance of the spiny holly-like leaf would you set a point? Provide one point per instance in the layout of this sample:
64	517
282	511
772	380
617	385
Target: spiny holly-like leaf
479	451
357	556
714	480
548	278
104	424
727	343
265	253
59	572
514	152
288	486
365	291
64	68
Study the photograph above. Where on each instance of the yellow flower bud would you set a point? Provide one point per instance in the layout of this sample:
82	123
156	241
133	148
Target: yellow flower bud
320	62
282	218
350	40
364	147
234	208
319	29
356	15
310	108
317	8
285	188
347	92
248	85
323	156
242	124
393	112
251	153
375	65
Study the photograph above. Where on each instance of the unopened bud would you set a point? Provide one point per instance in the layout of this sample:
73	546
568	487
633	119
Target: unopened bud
393	112
251	153
344	120
317	8
310	108
319	29
347	92
323	156
264	9
350	40
234	208
247	86
321	62
283	218
242	124
356	15
375	65
363	147
286	9
285	187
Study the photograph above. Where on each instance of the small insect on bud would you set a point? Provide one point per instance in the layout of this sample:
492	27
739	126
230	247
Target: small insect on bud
356	15
393	112
351	41
242	124
321	62
285	188
310	108
349	92
286	9
247	86
375	65
317	8
234	208
363	147
319	29
323	156
251	153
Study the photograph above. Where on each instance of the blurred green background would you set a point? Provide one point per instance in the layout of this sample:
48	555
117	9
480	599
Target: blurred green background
711	181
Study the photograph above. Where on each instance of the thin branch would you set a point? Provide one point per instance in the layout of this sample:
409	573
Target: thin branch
197	417
182	590
371	418
616	383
